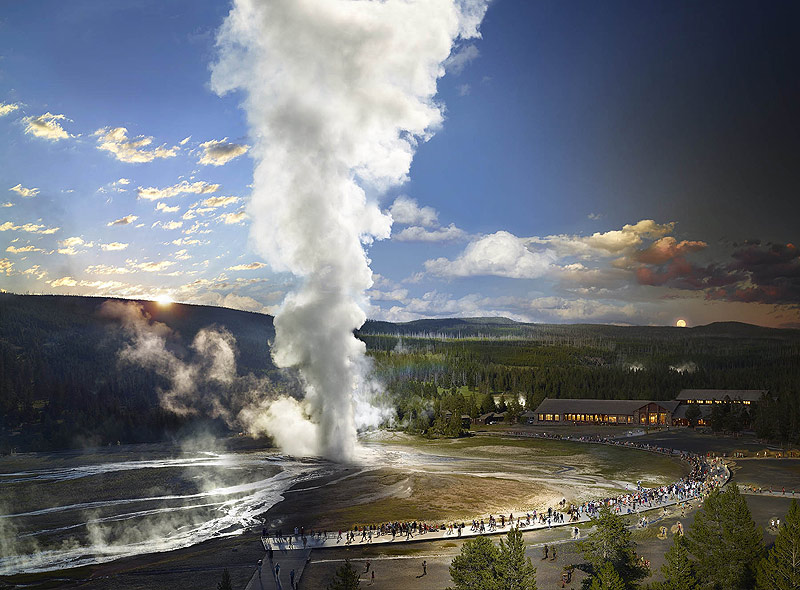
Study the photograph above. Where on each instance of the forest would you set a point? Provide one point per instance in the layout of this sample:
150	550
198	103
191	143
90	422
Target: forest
62	383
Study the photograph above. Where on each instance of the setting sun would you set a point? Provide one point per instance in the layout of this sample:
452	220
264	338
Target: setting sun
164	299
681	323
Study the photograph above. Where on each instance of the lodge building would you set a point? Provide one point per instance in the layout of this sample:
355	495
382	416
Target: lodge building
639	412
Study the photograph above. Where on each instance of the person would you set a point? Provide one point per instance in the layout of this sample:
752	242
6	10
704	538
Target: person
372	580
291	580
270	553
424	568
366	567
278	577
545	551
555	555
260	563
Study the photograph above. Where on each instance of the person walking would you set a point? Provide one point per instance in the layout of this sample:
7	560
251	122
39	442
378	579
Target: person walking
278	585
424	568
291	580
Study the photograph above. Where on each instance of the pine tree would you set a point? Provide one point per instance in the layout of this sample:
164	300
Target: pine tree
725	542
607	578
679	570
225	583
345	578
476	567
780	570
611	542
515	571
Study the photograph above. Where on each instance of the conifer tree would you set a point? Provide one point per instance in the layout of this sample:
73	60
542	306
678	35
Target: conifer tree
725	542
780	570
611	543
514	570
345	578
476	567
607	578
679	570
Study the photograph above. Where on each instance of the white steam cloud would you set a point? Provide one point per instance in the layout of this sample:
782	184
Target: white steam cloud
337	93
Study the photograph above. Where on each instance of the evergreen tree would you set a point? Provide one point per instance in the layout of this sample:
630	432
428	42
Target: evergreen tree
476	567
607	578
345	578
515	571
225	583
679	570
725	542
610	543
780	570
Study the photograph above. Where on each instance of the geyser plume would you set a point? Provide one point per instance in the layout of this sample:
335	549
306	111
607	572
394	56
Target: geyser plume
337	95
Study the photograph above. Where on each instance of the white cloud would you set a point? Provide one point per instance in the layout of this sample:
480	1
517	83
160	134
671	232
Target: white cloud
406	211
184	186
220	152
104	269
28	248
7	204
499	254
163	207
124	181
30	228
35	271
220	201
113	246
7	109
24	192
168	224
116	141
420	234
464	89
46	126
249	266
185	140
6	266
231	218
154	266
63	282
460	59
393	295
70	246
123	220
606	243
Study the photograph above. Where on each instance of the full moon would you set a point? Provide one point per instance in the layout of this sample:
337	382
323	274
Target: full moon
681	323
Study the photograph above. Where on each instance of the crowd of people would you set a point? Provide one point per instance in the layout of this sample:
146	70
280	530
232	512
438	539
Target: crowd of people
705	473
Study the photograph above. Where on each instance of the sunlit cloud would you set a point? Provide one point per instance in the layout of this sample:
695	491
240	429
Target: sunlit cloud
63	282
28	248
421	234
220	201
24	192
113	246
249	266
199	187
7	108
168	224
164	208
70	246
154	266
407	211
46	126
32	228
232	218
123	220
131	150
6	266
105	269
220	152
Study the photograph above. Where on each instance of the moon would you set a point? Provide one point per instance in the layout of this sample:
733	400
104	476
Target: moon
681	323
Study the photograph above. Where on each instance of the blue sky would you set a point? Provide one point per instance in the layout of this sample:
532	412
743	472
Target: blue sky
620	162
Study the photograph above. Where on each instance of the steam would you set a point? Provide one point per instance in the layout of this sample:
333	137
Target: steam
687	367
338	94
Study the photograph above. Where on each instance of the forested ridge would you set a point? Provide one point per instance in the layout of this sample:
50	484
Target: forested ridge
62	385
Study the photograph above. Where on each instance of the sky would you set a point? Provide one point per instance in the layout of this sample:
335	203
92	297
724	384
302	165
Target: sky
616	162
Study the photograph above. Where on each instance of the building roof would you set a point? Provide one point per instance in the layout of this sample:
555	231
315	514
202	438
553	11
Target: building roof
680	413
528	414
599	406
752	395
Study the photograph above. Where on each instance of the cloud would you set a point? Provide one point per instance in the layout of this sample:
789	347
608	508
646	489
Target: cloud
69	245
104	269
6	266
460	59
499	254
594	216
199	187
220	152
169	225
163	207
29	248
772	271
7	204
113	246
185	140
116	141
154	266
614	242
24	192
220	201
232	218
63	282
406	211
249	266
420	234
464	89
393	295
32	228
35	271
46	126
123	181
667	248
123	220
7	108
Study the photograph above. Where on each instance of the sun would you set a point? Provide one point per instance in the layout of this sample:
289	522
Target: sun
681	323
164	299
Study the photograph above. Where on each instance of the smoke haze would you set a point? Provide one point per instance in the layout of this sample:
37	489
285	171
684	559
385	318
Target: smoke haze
337	94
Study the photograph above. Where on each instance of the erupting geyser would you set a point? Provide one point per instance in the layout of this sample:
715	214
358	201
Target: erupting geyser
337	95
